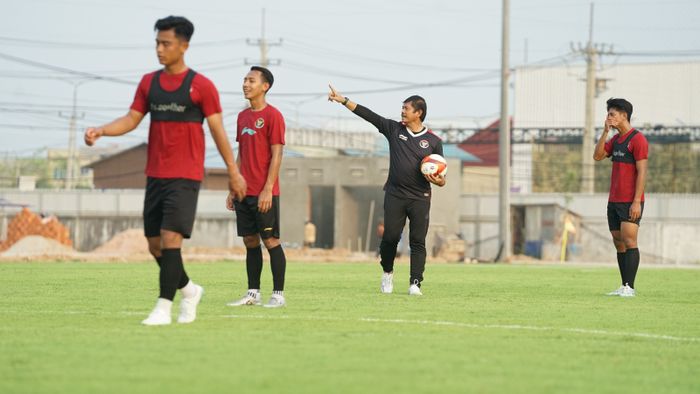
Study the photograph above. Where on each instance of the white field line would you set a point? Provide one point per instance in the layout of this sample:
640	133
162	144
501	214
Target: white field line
603	333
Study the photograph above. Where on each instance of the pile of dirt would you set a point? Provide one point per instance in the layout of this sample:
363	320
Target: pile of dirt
26	223
35	245
127	242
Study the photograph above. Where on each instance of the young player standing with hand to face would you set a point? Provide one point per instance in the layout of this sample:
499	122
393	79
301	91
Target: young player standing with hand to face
629	150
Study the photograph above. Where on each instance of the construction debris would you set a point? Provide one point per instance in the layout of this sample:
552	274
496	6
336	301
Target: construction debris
27	223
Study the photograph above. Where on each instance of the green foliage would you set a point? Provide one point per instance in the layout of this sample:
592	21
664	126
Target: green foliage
672	168
556	168
74	327
36	166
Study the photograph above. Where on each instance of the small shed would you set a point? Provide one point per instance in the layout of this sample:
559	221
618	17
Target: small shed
546	231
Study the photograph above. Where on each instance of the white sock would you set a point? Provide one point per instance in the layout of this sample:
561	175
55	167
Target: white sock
164	305
253	291
189	290
279	292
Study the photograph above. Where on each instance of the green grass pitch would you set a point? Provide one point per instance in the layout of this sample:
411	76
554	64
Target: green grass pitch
75	328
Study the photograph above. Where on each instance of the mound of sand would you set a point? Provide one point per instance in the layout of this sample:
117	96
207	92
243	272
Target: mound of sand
126	242
36	245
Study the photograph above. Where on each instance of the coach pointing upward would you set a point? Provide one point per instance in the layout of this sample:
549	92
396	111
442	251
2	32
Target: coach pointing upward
407	190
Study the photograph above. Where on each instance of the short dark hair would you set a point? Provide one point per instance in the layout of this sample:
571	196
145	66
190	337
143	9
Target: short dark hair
622	105
418	103
266	74
183	27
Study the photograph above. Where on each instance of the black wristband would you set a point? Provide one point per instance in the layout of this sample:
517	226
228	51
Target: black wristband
345	101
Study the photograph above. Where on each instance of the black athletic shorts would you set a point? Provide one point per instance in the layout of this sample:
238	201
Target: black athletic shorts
170	204
619	212
250	221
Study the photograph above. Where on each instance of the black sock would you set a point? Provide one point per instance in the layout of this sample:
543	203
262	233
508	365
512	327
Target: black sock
184	279
387	251
621	265
278	263
253	265
171	271
631	265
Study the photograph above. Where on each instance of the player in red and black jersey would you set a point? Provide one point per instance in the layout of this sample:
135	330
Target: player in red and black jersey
407	191
260	136
179	99
629	151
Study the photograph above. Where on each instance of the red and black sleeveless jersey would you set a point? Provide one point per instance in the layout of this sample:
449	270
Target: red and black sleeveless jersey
173	106
178	103
624	152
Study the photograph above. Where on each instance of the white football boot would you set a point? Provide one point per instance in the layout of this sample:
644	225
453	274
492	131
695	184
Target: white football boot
628	292
160	316
250	298
414	290
276	301
617	292
387	286
188	306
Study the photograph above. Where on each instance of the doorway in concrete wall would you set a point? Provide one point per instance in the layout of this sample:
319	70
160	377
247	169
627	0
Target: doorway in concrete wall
322	214
362	210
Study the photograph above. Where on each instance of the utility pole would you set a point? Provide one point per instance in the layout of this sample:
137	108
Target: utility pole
504	238
71	173
525	52
593	87
264	45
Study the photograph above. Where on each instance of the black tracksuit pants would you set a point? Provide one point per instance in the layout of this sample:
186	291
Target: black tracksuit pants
396	210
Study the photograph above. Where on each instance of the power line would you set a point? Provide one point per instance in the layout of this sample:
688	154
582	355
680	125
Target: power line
300	46
20	105
315	70
454	83
64	70
105	47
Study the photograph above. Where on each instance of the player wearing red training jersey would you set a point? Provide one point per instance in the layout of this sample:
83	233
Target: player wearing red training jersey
179	99
260	136
629	151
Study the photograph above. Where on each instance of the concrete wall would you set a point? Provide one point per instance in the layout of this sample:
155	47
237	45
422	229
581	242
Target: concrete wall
669	229
357	182
444	208
95	216
348	176
668	234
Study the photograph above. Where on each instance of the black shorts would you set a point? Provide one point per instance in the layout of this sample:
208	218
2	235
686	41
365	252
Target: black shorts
170	204
619	212
250	221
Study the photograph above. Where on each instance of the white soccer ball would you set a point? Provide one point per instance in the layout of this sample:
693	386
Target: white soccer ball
434	164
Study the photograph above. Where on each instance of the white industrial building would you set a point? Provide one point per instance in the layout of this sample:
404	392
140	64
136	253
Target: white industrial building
553	97
665	94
